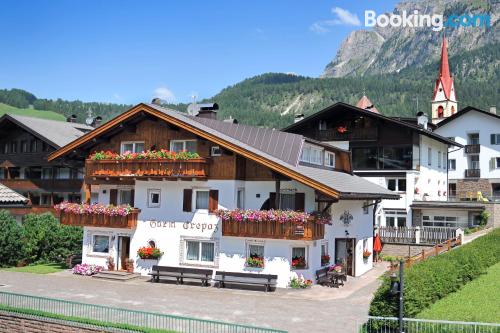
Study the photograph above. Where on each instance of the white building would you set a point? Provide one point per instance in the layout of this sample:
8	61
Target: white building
238	167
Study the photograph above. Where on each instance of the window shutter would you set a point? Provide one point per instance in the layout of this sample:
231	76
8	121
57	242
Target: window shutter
132	198
492	163
113	197
493	139
213	200
300	202
188	197
272	200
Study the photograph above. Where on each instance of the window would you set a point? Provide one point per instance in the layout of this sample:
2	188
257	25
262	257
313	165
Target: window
46	199
132	146
495	188
13	147
439	159
125	197
444	161
100	244
240	198
452	190
366	206
287	200
452	164
311	155
201	199
74	173
495	139
397	184
201	251
395	218
440	111
6	148
299	257
325	256
154	198
365	158
33	146
24	146
330	159
215	151
429	156
183	145
443	221
255	250
322	125
497	162
474	162
396	157
473	138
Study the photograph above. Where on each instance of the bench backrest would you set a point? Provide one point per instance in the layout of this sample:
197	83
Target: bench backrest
321	272
188	270
196	271
248	275
166	269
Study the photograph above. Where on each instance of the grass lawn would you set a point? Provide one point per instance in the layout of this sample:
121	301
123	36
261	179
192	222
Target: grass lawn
51	115
38	269
478	300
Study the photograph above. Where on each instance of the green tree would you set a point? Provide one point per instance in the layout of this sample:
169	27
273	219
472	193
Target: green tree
11	240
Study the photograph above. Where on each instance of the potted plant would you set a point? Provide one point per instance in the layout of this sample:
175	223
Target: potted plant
299	262
129	264
366	254
149	252
300	282
325	260
255	261
111	263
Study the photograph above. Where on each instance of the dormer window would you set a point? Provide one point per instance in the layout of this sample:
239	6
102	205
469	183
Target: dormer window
183	145
322	125
329	159
132	146
311	154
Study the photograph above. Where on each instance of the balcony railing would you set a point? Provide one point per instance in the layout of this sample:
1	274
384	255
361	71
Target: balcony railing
355	134
99	220
147	168
472	149
274	230
472	173
52	185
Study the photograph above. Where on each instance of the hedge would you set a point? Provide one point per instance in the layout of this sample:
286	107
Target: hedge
434	278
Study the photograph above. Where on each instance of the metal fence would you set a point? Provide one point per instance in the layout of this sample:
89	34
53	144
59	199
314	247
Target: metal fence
116	316
411	325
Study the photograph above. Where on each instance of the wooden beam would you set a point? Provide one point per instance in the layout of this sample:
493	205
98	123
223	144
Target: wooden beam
277	197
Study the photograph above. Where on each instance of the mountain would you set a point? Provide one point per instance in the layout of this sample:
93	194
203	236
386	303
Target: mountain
390	49
4	108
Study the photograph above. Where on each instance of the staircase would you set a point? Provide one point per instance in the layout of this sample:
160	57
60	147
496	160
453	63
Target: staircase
116	275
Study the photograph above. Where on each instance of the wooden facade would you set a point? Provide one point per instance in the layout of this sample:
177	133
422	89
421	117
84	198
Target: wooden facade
100	220
275	230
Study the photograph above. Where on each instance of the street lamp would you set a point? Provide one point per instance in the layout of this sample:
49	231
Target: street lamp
397	287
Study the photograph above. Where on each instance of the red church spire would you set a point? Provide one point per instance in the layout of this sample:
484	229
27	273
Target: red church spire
444	72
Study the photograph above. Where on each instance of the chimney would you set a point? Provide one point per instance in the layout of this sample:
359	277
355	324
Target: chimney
71	119
97	121
231	120
493	109
422	120
207	110
298	117
156	101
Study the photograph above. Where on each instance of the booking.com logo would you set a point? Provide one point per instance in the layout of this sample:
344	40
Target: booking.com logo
416	20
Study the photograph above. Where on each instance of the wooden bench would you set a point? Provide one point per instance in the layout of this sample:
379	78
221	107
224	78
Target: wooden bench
180	274
330	278
266	280
322	277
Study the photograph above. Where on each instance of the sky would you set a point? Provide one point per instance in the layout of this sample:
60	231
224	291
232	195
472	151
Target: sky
131	51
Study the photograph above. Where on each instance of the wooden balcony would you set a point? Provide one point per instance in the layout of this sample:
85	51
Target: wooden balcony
99	220
159	168
275	230
472	173
333	134
46	185
472	149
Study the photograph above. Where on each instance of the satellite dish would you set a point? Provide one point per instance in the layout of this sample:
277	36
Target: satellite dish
193	108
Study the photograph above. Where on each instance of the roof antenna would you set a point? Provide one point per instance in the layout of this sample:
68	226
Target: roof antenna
90	119
193	108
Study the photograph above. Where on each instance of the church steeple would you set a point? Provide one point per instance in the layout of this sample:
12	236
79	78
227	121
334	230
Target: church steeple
444	102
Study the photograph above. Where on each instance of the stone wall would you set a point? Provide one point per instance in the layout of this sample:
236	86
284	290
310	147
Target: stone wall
464	186
19	323
494	210
400	250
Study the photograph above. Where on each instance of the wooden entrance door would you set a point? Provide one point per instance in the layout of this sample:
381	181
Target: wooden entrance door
123	252
344	253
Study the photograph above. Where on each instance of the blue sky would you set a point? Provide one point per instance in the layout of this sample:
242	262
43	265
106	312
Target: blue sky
129	51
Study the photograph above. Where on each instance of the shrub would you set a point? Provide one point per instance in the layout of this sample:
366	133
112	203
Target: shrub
432	279
11	240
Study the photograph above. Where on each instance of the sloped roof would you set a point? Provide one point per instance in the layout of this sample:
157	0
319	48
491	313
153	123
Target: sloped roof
9	196
57	133
463	112
241	139
365	104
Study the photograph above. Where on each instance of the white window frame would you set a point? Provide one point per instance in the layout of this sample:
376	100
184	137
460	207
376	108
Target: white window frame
308	157
199	262
154	191
184	144
119	198
254	243
215	151
395	214
92	244
195	193
450	162
329	157
306	255
133	143
396	188
242	203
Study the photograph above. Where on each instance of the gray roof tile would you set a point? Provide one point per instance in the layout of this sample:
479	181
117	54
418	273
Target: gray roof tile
9	196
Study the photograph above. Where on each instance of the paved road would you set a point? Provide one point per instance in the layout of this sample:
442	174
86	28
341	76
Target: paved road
318	309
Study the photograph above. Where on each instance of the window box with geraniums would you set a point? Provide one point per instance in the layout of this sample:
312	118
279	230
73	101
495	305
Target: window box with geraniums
148	252
299	262
325	260
255	261
161	154
366	254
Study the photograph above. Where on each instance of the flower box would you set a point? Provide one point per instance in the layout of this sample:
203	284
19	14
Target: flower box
325	260
145	155
255	262
148	252
299	263
366	254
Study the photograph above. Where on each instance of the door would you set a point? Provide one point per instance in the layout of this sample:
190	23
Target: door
344	253
123	252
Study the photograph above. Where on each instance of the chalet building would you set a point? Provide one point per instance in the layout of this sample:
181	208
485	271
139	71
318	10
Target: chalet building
402	155
219	169
25	143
